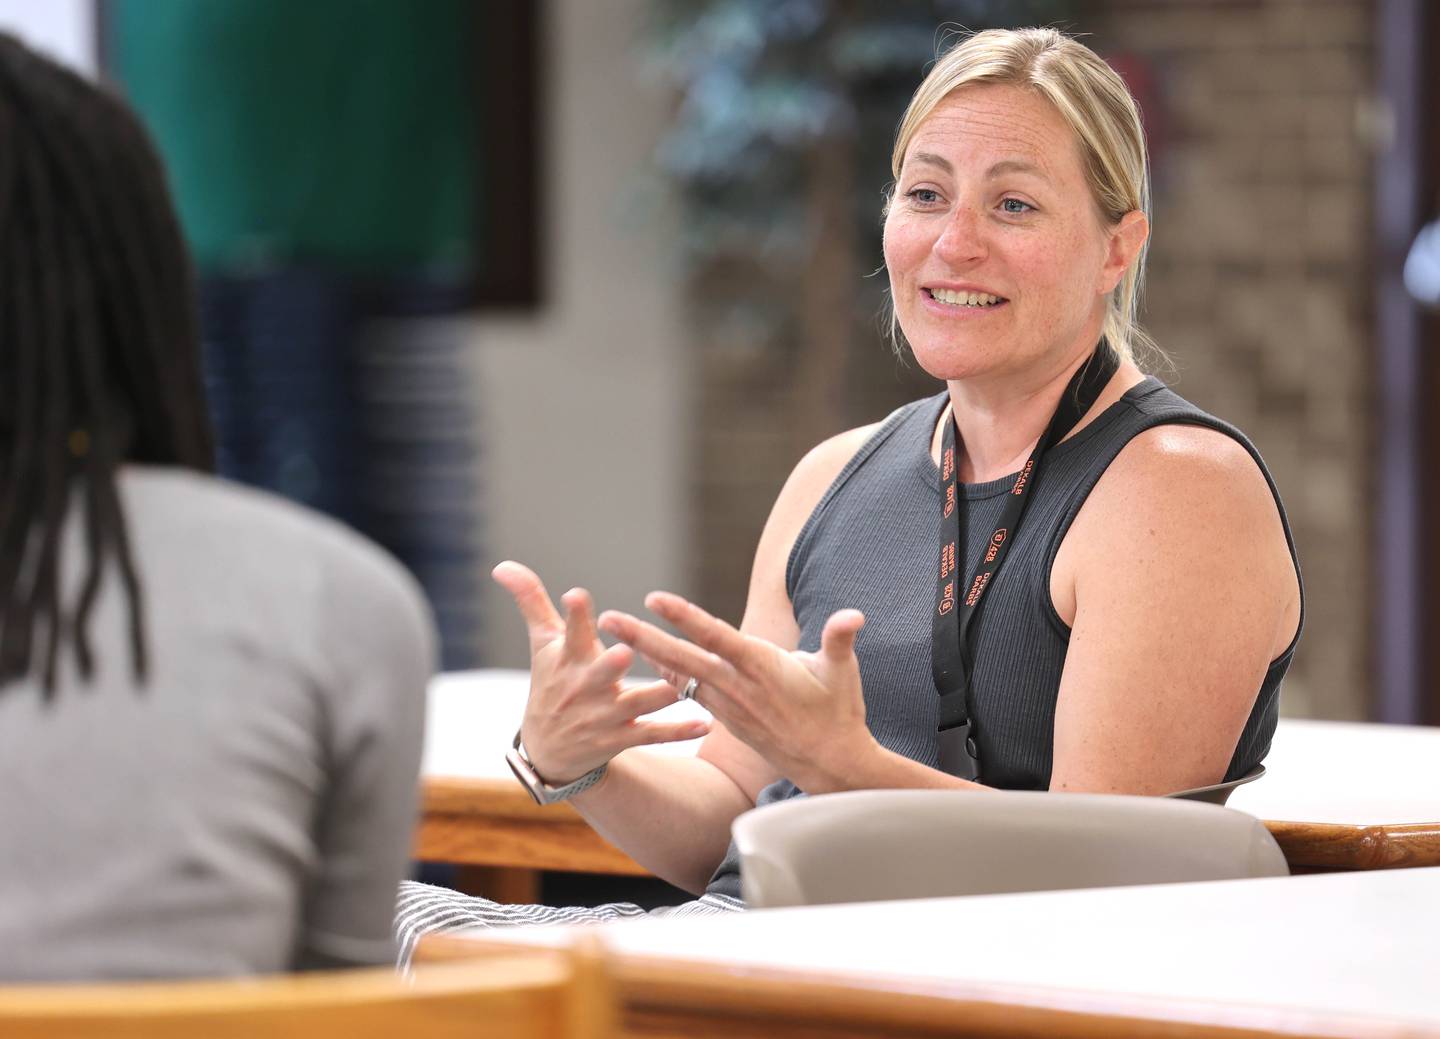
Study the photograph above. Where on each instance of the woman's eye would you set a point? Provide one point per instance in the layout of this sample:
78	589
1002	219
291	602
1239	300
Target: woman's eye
1014	205
923	196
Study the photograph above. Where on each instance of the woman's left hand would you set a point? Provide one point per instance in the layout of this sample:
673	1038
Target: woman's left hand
803	712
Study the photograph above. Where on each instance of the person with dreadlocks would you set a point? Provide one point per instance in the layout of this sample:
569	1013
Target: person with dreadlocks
211	701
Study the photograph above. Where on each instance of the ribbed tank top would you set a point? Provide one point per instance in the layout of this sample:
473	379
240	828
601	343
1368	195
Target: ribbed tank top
871	542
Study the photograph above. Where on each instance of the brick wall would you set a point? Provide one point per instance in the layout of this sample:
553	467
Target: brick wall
1259	289
1259	283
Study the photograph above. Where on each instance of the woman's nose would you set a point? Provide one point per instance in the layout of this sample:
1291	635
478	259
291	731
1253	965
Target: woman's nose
962	241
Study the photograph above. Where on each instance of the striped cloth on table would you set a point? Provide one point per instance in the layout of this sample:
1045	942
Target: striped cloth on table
424	909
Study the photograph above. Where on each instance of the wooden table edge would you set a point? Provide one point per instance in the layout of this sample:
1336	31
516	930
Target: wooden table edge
1347	846
495	797
493	822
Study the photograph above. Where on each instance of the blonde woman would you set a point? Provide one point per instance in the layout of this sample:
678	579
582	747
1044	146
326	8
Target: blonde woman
1054	574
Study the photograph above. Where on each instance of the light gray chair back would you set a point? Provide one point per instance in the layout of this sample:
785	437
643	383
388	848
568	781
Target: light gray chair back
875	845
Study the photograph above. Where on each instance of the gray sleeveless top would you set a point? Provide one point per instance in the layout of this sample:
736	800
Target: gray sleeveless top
870	544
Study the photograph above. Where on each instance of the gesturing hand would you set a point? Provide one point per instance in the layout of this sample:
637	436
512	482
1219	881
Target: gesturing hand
578	716
803	712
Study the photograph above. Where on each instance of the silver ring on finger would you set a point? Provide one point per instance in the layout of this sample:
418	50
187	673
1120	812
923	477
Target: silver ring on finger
688	693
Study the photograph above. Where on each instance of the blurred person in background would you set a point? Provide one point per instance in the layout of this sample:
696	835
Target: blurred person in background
1055	574
211	700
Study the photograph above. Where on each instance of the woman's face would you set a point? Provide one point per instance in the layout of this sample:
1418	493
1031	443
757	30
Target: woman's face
992	201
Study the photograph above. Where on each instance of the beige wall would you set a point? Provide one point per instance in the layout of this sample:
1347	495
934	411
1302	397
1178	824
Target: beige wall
583	404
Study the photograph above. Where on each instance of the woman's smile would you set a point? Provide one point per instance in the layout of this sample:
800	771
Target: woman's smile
962	304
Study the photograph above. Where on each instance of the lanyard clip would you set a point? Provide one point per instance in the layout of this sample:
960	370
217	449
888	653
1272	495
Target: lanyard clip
958	754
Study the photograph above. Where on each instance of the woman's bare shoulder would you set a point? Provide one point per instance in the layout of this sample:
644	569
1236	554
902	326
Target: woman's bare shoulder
822	464
814	473
767	611
1170	465
1179	481
1181	505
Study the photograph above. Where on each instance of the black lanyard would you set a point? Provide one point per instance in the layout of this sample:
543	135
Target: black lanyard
951	661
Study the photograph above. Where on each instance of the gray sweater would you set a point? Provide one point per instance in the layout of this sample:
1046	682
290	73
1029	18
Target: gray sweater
250	809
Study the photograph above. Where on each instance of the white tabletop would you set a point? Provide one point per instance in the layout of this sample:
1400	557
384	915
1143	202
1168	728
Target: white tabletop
1363	944
1317	771
1347	772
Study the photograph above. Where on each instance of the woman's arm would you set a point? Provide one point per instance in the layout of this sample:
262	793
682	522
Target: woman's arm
1180	590
671	814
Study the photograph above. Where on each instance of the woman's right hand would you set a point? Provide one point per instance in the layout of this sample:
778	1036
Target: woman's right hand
578	715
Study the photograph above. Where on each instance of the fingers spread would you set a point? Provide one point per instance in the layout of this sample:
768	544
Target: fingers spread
580	635
674	678
837	640
700	627
530	597
664	650
642	733
610	666
646	699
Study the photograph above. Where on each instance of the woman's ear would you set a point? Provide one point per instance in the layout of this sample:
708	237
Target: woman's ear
1126	239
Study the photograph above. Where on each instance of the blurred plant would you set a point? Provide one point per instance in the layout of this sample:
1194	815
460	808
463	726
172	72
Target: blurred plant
762	83
780	143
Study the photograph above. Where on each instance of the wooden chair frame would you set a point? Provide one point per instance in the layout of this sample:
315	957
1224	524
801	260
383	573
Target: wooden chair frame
525	994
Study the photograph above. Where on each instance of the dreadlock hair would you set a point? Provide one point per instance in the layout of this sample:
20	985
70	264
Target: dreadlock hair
99	351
